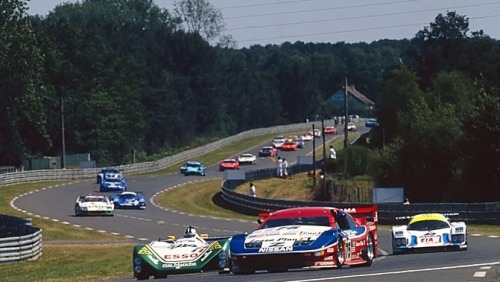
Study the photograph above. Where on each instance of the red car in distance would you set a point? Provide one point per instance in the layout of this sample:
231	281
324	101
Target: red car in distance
229	164
330	130
289	146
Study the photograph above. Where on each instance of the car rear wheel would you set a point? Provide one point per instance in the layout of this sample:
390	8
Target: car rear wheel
340	254
369	253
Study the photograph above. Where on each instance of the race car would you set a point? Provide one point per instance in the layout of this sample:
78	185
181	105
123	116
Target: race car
184	255
351	126
115	183
108	173
289	146
330	130
193	167
268	151
278	141
429	231
307	237
308	136
247	158
131	200
229	164
93	205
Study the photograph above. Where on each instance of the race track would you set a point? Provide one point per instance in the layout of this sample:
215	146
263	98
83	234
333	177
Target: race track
57	203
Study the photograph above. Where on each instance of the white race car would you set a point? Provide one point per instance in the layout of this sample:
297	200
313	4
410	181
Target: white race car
94	205
247	158
429	231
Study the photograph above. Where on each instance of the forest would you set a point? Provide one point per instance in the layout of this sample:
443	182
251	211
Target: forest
121	77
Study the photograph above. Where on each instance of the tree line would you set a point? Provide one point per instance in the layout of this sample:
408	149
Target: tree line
125	77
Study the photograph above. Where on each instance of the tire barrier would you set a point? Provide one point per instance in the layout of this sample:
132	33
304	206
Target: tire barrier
19	240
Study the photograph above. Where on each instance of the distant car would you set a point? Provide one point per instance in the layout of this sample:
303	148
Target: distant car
108	173
307	237
351	126
229	164
371	122
316	133
429	231
308	136
183	255
113	184
330	130
289	146
278	141
132	200
268	151
193	168
94	205
247	158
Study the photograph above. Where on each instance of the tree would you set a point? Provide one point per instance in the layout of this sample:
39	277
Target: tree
23	119
201	17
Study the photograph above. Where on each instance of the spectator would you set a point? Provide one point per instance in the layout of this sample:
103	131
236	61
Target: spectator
407	201
252	190
285	168
333	154
279	168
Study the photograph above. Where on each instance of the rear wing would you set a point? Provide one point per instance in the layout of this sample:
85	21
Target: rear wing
363	214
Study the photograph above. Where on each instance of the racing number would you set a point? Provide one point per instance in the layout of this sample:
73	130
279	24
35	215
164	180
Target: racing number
348	249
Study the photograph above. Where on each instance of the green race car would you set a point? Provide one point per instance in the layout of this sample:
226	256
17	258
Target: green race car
184	255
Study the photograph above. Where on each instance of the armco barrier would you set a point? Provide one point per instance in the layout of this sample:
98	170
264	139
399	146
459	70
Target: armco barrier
19	240
70	174
387	213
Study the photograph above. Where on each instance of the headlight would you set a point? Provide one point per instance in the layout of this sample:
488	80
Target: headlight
457	238
400	241
253	244
137	260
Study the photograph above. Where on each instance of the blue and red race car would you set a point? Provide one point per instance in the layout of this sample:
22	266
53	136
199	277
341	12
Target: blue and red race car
307	237
128	200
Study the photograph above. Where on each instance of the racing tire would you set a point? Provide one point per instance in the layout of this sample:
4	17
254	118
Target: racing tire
369	253
145	273
340	254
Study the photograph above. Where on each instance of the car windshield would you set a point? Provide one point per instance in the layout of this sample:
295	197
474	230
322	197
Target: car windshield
113	180
425	225
127	196
319	221
91	200
246	156
192	165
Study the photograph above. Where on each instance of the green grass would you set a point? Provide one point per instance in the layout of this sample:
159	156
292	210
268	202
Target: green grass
73	262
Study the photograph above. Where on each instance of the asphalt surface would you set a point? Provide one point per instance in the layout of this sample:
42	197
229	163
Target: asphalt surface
481	262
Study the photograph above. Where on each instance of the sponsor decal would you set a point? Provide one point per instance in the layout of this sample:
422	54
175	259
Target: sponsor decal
329	250
178	264
361	243
144	251
182	256
329	258
349	210
324	263
155	261
276	249
310	233
215	246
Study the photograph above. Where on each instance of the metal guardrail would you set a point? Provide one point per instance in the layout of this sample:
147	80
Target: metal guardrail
70	174
387	213
19	240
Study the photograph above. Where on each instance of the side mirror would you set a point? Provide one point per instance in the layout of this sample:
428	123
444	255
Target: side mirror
259	221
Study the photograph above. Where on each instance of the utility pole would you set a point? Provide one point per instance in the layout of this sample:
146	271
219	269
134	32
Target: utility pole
63	141
323	183
314	158
346	116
